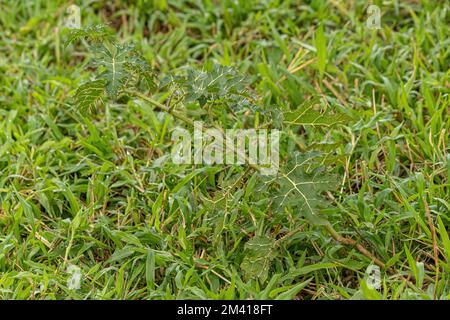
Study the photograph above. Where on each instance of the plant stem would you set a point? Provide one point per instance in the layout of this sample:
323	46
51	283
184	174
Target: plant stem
177	115
160	106
328	227
348	241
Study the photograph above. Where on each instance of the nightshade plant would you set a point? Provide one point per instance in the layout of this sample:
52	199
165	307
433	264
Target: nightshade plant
218	94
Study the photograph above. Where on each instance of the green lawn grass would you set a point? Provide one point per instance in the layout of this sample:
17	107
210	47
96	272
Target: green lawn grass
98	192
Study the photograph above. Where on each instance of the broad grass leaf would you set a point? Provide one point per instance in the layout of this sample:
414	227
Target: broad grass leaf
288	293
321	48
368	292
121	254
150	270
307	269
444	238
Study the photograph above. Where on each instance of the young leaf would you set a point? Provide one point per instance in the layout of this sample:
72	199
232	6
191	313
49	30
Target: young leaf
301	186
218	84
116	64
113	60
92	34
89	94
309	115
141	69
259	253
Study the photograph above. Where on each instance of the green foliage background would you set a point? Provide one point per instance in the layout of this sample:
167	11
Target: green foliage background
93	186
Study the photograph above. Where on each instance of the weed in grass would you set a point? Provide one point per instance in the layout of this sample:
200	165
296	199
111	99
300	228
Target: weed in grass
85	140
